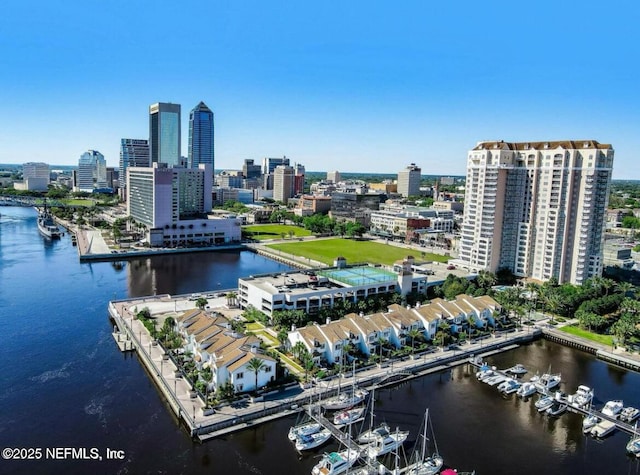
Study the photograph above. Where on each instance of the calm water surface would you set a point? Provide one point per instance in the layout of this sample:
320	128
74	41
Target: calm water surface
65	384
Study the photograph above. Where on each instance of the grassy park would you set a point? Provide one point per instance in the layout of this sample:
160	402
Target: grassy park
274	231
326	250
574	330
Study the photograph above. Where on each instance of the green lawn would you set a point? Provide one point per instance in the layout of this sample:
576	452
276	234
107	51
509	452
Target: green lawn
78	202
273	231
326	250
602	339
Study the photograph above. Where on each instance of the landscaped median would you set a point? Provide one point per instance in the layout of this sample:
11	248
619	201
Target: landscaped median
326	250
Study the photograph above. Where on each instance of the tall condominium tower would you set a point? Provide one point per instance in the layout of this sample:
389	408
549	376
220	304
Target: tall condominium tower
133	153
164	133
537	208
201	136
283	183
92	171
409	181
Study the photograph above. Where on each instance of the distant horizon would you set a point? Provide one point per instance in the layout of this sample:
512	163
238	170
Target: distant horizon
350	86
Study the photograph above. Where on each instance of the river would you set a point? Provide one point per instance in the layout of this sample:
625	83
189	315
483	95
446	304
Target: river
66	385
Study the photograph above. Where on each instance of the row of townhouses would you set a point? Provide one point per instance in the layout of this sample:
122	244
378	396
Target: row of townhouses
214	344
326	342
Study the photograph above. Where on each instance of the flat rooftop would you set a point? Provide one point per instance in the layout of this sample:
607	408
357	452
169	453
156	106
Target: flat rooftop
360	275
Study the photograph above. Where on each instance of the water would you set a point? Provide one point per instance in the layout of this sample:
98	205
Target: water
65	384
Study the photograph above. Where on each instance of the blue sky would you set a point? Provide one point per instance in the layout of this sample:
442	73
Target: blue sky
347	85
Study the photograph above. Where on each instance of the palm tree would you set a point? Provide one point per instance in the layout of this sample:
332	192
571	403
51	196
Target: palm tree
413	334
256	365
201	303
231	299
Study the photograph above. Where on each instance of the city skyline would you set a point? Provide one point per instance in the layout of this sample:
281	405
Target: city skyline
354	88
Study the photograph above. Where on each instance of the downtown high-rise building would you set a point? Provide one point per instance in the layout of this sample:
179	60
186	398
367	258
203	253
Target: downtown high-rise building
165	133
133	153
537	208
92	172
283	183
35	176
201	136
409	181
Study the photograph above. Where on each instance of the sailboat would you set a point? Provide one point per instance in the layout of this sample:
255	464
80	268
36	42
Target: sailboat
423	464
345	400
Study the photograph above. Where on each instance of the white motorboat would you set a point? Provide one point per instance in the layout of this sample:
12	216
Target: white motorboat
495	380
629	414
383	444
345	400
589	422
603	428
509	386
311	441
349	416
485	374
582	397
369	435
633	446
527	389
423	463
306	428
556	409
547	382
544	403
335	463
517	370
613	408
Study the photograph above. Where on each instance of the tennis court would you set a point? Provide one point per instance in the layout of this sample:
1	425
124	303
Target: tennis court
355	276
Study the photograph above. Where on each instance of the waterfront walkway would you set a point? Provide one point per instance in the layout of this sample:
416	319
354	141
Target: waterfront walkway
206	423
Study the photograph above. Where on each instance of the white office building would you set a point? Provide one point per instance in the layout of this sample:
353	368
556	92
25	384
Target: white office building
537	208
35	176
175	205
92	172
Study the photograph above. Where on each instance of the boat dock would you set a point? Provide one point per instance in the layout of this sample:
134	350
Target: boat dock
607	421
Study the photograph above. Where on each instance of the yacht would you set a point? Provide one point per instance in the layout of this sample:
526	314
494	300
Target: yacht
517	370
582	397
345	400
547	382
556	409
603	428
383	444
509	386
370	435
421	462
495	380
311	441
589	422
335	463
527	389
544	403
633	446
300	430
349	416
613	408
629	414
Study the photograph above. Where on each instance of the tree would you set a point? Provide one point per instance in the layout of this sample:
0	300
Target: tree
413	334
201	303
232	299
256	365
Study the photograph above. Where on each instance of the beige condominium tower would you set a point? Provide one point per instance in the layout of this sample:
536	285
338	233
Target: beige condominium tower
537	208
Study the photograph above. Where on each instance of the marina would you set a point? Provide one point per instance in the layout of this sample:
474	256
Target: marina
106	398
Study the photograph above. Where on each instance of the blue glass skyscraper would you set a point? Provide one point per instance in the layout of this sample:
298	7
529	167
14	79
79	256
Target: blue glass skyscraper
164	133
201	136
